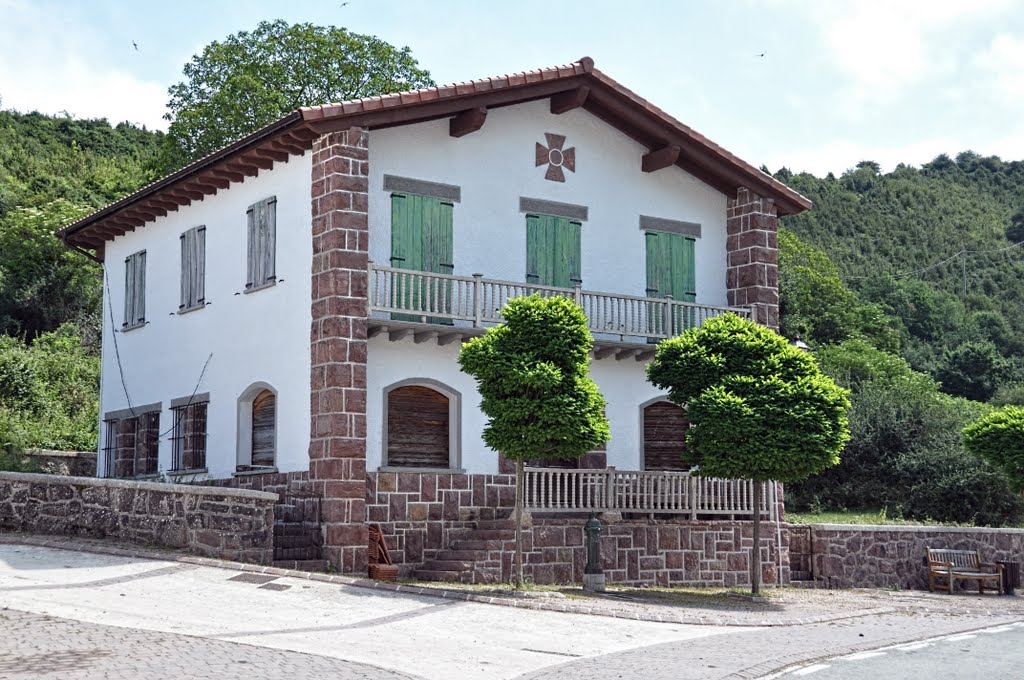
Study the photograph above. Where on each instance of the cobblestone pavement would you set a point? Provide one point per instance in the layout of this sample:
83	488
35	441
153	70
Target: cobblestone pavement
39	646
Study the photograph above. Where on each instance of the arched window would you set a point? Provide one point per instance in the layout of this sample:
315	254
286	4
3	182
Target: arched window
264	410
664	433
421	425
257	428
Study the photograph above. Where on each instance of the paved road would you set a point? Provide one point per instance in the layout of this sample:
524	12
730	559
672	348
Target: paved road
174	606
990	654
84	615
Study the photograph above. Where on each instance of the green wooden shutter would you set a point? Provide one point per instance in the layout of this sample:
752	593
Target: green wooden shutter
553	256
536	252
422	239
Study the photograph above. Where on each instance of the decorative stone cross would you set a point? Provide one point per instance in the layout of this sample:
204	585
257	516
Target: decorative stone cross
555	157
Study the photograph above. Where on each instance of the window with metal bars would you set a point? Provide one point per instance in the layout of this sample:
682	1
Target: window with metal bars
110	448
131	446
189	437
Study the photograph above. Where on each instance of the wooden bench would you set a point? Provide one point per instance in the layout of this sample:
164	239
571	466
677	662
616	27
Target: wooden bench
965	565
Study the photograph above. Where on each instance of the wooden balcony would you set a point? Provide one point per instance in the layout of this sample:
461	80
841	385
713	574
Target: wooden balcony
664	493
449	308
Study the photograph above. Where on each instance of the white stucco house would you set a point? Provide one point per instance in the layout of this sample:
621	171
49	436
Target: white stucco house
289	309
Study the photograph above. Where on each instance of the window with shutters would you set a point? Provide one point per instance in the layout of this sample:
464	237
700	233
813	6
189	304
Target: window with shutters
193	270
421	425
261	252
664	436
188	441
134	291
553	251
421	240
671	272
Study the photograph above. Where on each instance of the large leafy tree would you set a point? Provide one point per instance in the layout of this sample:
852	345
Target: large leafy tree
254	77
42	282
533	373
999	438
759	408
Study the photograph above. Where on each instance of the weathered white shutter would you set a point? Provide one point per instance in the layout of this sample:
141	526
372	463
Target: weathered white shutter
262	243
135	289
140	288
186	270
199	258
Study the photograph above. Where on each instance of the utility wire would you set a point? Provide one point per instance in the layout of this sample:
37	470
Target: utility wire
117	351
959	253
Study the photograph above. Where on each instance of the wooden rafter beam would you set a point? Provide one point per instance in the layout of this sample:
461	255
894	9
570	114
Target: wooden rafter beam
225	173
288	146
399	334
603	352
645	356
170	206
466	122
185	194
141	213
374	331
449	338
279	156
259	161
624	354
202	185
572	99
662	158
247	169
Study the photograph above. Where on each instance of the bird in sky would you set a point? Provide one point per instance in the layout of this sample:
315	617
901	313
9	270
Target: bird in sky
762	54
135	46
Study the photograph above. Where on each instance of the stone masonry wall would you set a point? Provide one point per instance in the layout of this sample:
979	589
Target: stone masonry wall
752	273
337	447
72	463
895	556
225	523
422	514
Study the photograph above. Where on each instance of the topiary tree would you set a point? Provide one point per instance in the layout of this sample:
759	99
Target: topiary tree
533	374
998	437
759	408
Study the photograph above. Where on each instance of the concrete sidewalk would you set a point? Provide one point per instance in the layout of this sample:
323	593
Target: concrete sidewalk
120	614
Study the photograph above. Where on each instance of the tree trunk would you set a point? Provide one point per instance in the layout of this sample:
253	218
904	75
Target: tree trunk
755	554
517	555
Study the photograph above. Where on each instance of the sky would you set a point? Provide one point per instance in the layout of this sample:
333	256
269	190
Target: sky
893	81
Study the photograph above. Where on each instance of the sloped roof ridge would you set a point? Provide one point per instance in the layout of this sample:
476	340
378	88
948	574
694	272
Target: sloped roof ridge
578	67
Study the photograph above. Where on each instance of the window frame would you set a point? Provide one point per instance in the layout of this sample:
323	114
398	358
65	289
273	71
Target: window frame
243	460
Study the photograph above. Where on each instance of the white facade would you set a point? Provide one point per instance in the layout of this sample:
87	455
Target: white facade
259	337
262	338
621	382
493	168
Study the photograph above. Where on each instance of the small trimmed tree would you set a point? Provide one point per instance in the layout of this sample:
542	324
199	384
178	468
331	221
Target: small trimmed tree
759	408
998	437
533	373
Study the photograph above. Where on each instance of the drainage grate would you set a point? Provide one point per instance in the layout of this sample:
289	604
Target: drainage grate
274	586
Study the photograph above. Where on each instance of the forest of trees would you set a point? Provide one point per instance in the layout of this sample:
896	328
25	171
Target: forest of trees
908	286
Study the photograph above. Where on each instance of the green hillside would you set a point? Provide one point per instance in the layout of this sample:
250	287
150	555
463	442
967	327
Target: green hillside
933	248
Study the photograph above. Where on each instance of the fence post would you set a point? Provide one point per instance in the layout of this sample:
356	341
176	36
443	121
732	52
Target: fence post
371	284
477	302
667	317
577	294
693	496
609	489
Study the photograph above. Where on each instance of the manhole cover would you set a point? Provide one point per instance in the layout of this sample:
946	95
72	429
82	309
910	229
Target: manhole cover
253	578
274	586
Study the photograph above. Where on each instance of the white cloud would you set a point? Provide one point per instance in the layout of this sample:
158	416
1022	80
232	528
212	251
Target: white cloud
51	63
841	155
1003	61
881	47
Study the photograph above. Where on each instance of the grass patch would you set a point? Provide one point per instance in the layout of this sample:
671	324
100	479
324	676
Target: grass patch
869	516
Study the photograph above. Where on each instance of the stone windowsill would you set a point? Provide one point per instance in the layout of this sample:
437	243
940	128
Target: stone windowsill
183	473
125	329
263	286
258	471
423	470
193	308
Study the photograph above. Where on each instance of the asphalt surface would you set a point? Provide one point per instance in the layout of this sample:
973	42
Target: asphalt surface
72	614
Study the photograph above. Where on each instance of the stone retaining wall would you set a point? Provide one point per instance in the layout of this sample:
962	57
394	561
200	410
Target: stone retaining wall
845	556
229	524
72	463
657	552
421	514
